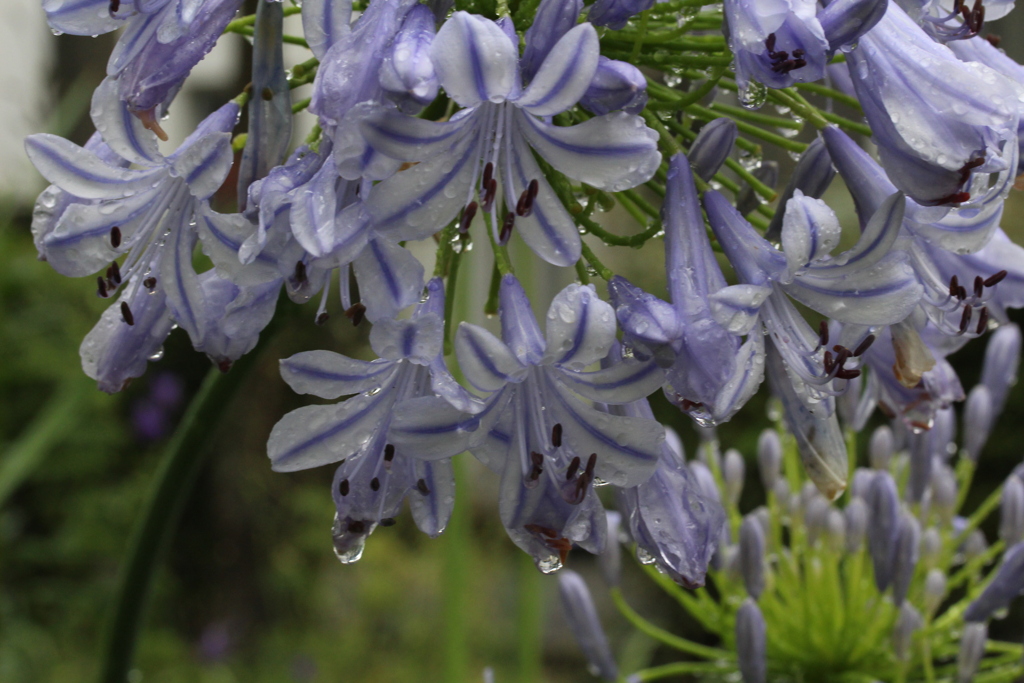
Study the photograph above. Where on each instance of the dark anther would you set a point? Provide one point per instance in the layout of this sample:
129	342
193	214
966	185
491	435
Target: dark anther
343	487
422	487
982	320
955	198
388	521
591	464
533	188
224	365
506	228
149	283
126	313
556	435
823	333
521	204
114	6
114	273
323	318
770	43
389	452
268	94
101	287
490	192
356	313
798	53
375	484
300	272
993	39
115	237
979	286
552	539
467	216
848	374
536	468
574	467
961	293
864	345
954	286
965	320
781	63
488	174
995	279
828	362
356	526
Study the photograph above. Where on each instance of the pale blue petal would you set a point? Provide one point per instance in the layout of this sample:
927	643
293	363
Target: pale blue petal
432	512
485	360
178	277
875	242
418	340
736	307
330	375
620	383
429	428
121	130
580	327
222	236
390	278
408	138
82	173
519	327
474	60
324	22
565	74
205	165
85	17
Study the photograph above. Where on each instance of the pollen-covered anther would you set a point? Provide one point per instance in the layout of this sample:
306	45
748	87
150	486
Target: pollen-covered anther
994	280
114	273
506	228
979	286
965	319
822	334
576	483
389	454
115	237
101	287
468	214
126	313
781	61
114	6
982	321
356	312
490	192
552	539
375	484
864	346
322	318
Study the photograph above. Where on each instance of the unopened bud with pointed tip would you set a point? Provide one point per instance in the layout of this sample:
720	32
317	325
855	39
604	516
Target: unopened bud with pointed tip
1004	587
585	625
975	545
907	623
610	557
972	647
769	458
1002	357
812	176
712	147
908	548
752	556
734	470
944	491
856	518
978	420
752	643
931	546
781	491
934	589
920	468
861	481
816	517
1011	511
883	526
880	448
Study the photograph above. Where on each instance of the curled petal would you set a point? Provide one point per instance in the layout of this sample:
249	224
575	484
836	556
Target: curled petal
85	17
616	85
519	327
620	383
810	230
553	20
417	340
565	74
185	297
121	130
474	60
407	73
324	22
485	360
580	327
83	174
205	165
736	307
390	278
330	375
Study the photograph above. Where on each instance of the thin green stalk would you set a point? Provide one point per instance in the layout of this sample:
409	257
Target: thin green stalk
831	93
529	621
678	669
249	32
457	551
605	273
581	272
663	636
755	117
183	458
667	138
748	129
301	104
250	19
491	307
449	302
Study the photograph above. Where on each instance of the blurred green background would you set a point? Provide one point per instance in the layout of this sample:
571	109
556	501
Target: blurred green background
250	589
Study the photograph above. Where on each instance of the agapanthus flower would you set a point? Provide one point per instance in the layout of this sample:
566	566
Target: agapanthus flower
162	41
781	42
942	126
149	213
377	472
488	144
547	443
954	21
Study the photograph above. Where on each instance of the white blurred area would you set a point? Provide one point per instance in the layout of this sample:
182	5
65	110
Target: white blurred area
26	55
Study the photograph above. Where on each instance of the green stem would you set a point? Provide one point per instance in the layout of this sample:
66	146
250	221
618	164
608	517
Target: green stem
183	458
678	669
529	621
493	293
663	636
825	91
581	272
301	104
250	19
456	572
602	270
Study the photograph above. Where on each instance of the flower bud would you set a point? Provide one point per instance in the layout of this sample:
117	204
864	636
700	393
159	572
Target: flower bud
908	621
733	471
816	517
975	545
747	199
883	527
586	627
934	590
616	86
764	518
751	643
712	147
835	530
920	468
942	435
406	72
1007	584
553	20
705	480
978	420
972	648
907	552
861	481
1002	357
781	491
880	448
944	491
931	546
1011	511
812	176
751	557
610	557
856	517
769	458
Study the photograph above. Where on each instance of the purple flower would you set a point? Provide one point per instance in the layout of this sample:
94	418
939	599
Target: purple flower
615	13
581	614
942	126
380	466
547	443
491	140
616	85
407	74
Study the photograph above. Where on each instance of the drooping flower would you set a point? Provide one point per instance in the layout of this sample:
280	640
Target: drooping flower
377	471
547	443
488	144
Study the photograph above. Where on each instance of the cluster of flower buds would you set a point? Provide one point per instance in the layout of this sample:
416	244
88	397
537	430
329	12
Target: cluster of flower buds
892	585
464	122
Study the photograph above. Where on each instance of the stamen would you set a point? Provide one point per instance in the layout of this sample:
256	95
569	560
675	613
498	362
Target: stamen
467	217
343	487
954	286
828	363
149	283
533	189
389	452
490	192
388	521
995	279
267	94
115	237
823	333
375	484
356	313
114	273
961	293
965	319
574	466
422	487
224	365
300	272
126	313
506	228
150	123
114	6
556	435
322	318
356	526
864	346
979	285
521	204
982	320
101	287
536	469
993	39
848	373
488	174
